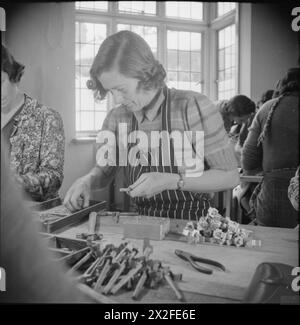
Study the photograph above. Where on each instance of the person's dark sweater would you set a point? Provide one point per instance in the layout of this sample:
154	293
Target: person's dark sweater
280	147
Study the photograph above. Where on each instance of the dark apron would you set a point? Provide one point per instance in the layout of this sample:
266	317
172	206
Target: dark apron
169	203
270	200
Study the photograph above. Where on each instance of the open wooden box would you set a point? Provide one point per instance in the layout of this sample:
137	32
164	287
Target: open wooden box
67	250
50	226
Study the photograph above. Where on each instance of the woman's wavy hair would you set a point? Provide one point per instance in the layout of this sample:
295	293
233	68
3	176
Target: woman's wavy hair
289	83
9	65
240	105
133	58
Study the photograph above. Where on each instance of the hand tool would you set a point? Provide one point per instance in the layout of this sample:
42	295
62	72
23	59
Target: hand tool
103	272
114	277
84	259
192	259
166	275
140	283
127	277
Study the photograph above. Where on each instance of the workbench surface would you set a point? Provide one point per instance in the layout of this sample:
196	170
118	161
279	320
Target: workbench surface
278	245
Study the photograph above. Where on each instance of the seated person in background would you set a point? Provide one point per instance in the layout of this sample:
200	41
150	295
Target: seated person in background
239	110
33	134
222	107
293	191
267	95
272	144
244	191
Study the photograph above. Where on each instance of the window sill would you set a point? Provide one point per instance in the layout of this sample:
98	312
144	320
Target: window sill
82	140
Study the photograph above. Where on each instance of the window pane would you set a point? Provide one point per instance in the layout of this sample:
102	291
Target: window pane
195	41
89	37
84	76
87	54
184	10
184	41
99	119
87	121
197	10
226	63
222	59
196	82
77	76
181	60
196	61
172	76
172	60
138	7
149	34
77	99
184	61
92	5
195	77
77	121
172	40
87	101
224	7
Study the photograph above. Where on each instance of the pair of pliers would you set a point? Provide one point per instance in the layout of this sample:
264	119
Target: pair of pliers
193	259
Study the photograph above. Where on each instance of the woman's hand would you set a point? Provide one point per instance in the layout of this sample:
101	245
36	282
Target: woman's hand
78	195
150	184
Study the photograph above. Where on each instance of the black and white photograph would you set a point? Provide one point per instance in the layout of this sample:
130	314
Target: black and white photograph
149	155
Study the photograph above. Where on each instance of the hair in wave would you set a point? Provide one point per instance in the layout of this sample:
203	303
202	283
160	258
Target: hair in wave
132	56
240	105
289	83
9	65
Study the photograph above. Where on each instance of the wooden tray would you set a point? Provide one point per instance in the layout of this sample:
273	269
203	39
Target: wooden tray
61	222
67	250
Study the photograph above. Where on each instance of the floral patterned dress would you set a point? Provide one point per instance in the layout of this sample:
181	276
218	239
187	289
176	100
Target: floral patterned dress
37	144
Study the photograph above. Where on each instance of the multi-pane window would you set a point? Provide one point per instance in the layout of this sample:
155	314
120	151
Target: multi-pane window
137	7
226	62
184	60
149	34
181	35
92	5
89	113
184	10
224	7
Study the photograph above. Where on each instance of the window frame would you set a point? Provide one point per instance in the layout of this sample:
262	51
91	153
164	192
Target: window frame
208	27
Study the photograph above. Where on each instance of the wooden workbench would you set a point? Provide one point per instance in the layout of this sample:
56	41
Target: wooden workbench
278	245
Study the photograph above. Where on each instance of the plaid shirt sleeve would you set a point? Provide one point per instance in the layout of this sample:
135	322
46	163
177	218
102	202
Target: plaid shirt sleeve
109	124
203	115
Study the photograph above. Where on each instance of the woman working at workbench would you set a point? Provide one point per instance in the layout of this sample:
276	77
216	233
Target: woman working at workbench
126	67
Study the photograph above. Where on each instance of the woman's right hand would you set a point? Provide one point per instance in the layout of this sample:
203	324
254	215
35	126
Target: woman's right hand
78	195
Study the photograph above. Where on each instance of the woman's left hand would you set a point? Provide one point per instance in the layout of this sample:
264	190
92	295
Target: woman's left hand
150	184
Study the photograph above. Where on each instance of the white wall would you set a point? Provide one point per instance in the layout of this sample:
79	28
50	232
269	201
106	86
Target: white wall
268	46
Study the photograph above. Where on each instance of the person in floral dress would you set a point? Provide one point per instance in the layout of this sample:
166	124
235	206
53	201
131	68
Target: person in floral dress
33	135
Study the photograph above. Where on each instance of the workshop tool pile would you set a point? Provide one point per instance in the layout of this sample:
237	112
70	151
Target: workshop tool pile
113	268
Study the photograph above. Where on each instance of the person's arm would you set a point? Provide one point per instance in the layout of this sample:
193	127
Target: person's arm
201	115
32	275
46	181
78	195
